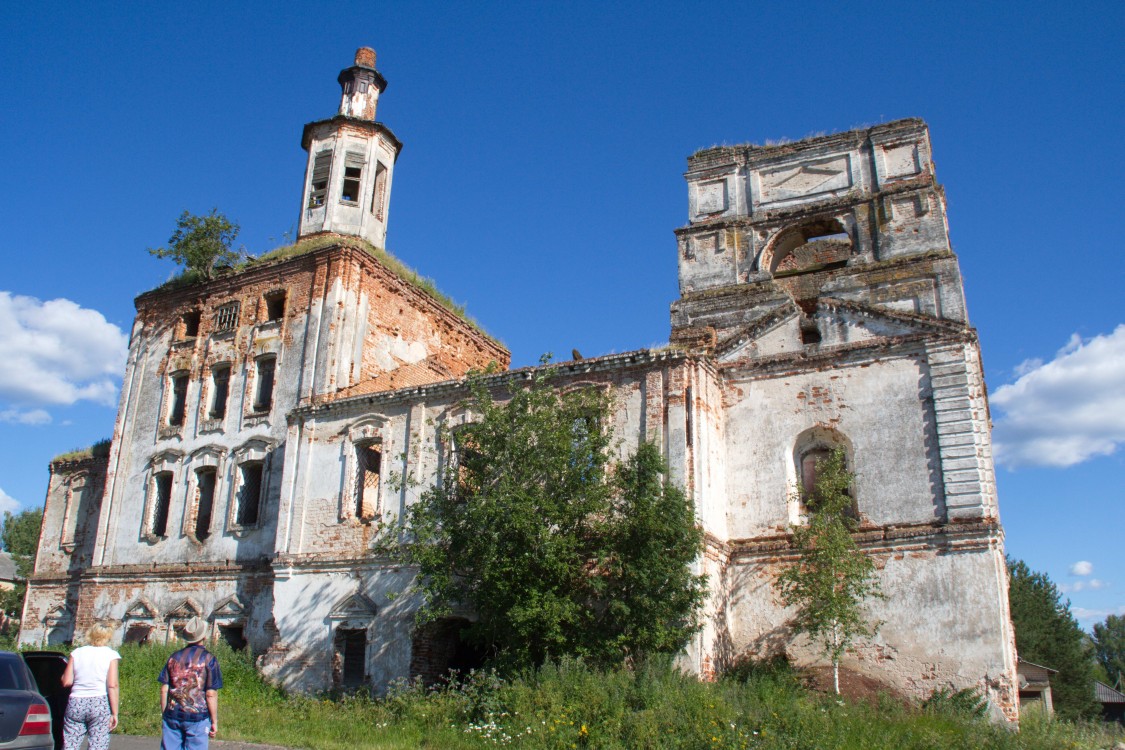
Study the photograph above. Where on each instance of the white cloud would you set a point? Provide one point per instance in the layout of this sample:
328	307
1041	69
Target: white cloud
1093	615
31	416
8	503
1065	411
57	352
1094	584
1082	568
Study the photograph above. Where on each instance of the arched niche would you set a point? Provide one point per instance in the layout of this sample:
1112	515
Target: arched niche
812	245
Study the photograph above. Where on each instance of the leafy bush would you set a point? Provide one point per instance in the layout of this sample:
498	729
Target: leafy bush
967	702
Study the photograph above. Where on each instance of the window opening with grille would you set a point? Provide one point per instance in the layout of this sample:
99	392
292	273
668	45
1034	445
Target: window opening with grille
249	494
369	459
226	316
205	480
162	498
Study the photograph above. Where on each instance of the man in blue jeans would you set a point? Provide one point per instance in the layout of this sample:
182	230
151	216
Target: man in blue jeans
189	699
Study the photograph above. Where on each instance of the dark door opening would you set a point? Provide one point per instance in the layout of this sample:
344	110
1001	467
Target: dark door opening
234	636
351	657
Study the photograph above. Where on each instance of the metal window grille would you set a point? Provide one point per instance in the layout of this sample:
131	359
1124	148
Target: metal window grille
249	494
205	502
162	490
226	317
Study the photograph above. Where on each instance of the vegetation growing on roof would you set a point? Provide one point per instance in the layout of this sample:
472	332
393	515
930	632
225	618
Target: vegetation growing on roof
202	244
99	449
311	244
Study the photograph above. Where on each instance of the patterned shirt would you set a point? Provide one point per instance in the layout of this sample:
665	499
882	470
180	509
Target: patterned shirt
189	674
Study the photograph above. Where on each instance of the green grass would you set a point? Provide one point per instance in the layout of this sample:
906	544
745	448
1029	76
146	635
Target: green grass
100	449
568	706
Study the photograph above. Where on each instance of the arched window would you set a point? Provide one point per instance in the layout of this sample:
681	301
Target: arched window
158	495
812	246
810	451
368	473
366	466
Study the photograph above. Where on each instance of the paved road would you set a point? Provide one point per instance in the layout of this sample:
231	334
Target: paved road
126	742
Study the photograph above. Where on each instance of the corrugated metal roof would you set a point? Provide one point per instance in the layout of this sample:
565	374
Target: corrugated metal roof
1106	694
7	567
1033	664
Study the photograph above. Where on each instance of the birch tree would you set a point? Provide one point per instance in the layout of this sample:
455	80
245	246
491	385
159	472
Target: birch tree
833	578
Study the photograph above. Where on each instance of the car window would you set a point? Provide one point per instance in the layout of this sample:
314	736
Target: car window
47	669
13	674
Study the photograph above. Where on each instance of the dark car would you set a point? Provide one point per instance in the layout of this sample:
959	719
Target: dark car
47	668
25	716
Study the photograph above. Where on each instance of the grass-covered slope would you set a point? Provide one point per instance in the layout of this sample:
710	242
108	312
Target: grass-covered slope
569	706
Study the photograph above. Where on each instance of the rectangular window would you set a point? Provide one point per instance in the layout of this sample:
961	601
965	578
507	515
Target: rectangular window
322	167
162	498
179	399
226	316
275	306
204	502
378	194
263	392
369	461
249	494
191	324
353	171
220	388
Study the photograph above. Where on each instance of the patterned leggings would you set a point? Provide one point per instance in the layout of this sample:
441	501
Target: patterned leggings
87	715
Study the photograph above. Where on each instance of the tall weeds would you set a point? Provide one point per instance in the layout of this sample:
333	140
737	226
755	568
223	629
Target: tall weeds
566	706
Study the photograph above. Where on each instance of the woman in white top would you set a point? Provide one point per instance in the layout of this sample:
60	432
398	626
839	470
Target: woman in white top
91	675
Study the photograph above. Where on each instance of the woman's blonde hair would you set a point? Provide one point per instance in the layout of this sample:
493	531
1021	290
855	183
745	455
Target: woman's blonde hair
99	634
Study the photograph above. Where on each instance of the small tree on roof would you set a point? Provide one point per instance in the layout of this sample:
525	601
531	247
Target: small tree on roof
202	244
833	578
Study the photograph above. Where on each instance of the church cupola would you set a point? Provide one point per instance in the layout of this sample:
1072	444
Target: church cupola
351	160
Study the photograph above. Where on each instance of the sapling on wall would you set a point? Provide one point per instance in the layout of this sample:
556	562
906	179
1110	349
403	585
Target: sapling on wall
830	582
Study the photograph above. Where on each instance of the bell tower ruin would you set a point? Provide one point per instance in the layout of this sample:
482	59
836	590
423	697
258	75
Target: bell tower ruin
351	160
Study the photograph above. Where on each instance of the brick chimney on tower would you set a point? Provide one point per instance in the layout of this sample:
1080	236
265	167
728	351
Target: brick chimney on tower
361	85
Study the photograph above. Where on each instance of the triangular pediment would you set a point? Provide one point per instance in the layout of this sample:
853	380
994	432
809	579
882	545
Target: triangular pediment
356	606
833	323
229	607
140	610
57	616
186	610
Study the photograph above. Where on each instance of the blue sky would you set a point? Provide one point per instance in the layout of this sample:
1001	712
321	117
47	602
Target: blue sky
541	180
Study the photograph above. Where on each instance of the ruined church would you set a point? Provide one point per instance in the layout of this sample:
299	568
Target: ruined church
262	412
